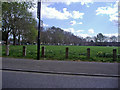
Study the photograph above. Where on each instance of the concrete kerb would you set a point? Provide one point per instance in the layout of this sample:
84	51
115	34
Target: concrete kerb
62	73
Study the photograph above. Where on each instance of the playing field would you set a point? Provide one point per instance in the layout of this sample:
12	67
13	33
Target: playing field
79	53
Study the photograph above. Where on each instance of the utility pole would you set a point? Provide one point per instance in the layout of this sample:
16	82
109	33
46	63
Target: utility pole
39	17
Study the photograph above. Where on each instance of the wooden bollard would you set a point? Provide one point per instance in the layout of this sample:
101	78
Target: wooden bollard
88	53
43	51
7	50
24	50
114	54
67	53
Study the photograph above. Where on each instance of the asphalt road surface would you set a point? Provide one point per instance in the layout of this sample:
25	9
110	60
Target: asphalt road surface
12	79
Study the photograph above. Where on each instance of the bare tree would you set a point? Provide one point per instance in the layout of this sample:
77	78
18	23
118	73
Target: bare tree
113	39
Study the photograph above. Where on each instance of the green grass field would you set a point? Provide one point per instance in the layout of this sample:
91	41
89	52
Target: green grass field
78	53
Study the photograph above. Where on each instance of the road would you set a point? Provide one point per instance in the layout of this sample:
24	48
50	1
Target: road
13	79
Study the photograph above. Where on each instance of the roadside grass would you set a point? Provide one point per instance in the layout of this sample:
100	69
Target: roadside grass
76	53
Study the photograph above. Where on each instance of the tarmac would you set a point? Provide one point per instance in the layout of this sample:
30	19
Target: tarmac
61	67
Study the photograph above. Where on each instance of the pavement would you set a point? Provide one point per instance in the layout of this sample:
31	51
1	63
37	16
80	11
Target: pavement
61	67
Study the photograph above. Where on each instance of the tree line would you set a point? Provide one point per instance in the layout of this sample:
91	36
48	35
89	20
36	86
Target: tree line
102	38
57	36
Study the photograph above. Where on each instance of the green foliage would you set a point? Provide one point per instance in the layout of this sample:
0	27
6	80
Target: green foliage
106	55
100	54
18	21
100	37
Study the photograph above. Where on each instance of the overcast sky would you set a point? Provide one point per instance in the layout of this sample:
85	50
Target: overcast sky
81	18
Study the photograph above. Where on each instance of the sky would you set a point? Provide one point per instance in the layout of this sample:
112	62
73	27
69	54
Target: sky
81	18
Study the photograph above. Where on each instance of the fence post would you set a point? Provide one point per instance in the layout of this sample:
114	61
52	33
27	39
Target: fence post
67	52
24	50
88	53
7	50
114	54
43	51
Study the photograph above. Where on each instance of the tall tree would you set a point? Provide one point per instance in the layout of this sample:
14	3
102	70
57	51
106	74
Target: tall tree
16	18
88	39
100	37
6	27
57	36
113	39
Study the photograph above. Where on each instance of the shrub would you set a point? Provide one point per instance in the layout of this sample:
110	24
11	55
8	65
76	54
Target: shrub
99	54
118	55
107	55
84	54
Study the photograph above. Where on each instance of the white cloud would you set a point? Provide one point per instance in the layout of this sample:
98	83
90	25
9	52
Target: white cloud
78	31
70	30
52	13
86	3
77	14
82	35
45	25
114	17
68	2
111	11
80	23
113	34
83	2
72	22
67	13
91	31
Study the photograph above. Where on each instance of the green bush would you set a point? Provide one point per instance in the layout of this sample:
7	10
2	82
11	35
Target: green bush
99	54
106	55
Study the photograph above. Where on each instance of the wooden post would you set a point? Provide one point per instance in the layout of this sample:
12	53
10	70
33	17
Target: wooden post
43	51
114	54
24	50
88	53
67	52
7	50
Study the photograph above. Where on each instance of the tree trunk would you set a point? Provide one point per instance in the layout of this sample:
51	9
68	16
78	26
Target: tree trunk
7	39
14	39
19	39
22	40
